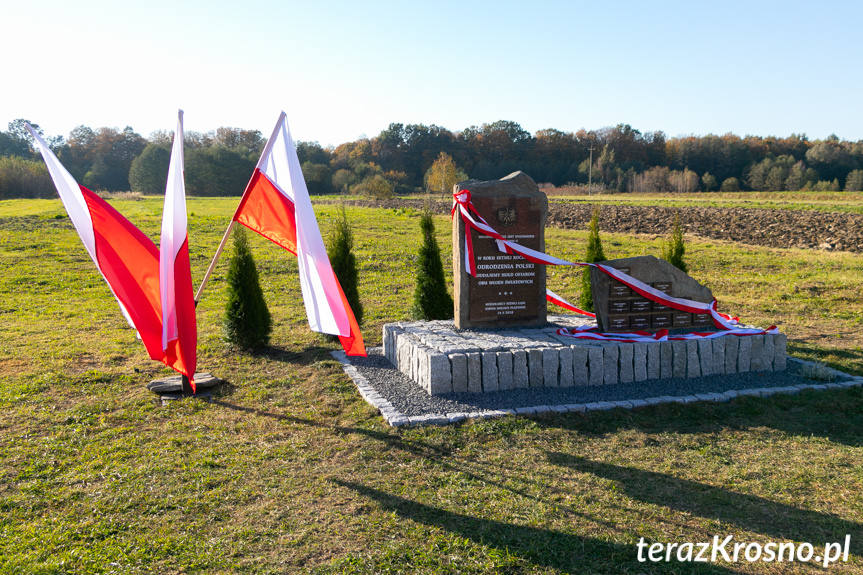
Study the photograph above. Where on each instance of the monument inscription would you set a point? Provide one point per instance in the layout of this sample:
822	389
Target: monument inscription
508	289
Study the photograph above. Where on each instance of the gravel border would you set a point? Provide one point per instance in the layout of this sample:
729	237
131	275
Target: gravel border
402	402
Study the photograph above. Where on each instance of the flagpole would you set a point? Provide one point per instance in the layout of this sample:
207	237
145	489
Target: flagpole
215	260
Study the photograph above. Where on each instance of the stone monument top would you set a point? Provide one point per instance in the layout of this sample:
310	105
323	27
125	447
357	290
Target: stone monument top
508	290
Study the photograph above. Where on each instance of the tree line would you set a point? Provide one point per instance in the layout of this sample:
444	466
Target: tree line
407	158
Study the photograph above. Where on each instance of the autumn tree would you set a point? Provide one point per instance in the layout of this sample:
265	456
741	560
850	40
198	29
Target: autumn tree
443	175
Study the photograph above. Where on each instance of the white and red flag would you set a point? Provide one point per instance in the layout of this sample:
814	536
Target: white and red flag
276	204
179	326
125	256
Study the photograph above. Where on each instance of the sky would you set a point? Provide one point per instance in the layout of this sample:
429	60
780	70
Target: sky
346	70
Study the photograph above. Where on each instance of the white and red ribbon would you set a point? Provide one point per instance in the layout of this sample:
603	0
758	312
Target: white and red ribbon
726	323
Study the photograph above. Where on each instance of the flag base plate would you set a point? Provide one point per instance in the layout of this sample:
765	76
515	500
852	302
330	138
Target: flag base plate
174	384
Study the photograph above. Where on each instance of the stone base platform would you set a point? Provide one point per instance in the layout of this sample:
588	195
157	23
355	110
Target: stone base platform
442	359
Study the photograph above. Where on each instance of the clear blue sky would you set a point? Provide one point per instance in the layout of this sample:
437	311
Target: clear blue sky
341	70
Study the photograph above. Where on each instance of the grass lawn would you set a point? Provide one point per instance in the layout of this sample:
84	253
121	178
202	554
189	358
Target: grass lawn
289	470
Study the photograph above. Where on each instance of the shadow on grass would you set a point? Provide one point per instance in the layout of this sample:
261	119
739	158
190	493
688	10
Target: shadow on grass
833	414
750	512
307	356
567	552
851	359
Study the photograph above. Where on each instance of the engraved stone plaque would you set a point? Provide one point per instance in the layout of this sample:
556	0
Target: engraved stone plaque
507	290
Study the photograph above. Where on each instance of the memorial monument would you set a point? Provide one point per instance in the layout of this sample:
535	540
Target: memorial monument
502	337
507	290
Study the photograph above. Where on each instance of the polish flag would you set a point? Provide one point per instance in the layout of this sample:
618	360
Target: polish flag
126	258
276	204
179	328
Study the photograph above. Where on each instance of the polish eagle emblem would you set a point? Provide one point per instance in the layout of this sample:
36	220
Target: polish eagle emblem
506	216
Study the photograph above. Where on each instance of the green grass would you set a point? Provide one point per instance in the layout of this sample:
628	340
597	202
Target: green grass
289	470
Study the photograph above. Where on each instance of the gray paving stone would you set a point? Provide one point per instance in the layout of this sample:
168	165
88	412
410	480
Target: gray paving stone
654	363
757	362
458	366
744	354
474	373
565	357
666	359
768	353
693	362
705	356
504	370
732	344
440	377
550	367
534	367
719	354
489	372
610	355
625	373
519	370
780	358
679	358
639	361
596	365
580	372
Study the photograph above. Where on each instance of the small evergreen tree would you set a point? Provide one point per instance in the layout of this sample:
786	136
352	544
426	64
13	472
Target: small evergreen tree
673	250
431	299
247	321
594	254
340	245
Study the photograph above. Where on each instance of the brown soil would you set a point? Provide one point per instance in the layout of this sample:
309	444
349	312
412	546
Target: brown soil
809	229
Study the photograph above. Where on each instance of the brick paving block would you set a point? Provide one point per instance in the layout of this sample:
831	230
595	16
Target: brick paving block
550	367
719	354
625	371
679	358
534	367
705	356
458	368
519	370
596	364
654	364
732	345
744	354
440	376
666	359
639	361
474	373
769	351
757	362
565	357
489	372
693	362
780	357
610	355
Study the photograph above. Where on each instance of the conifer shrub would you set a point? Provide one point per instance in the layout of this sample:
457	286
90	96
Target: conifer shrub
593	254
673	250
431	299
340	245
247	322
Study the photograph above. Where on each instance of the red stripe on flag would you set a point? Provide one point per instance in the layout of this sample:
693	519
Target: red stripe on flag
267	211
181	354
130	263
353	343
